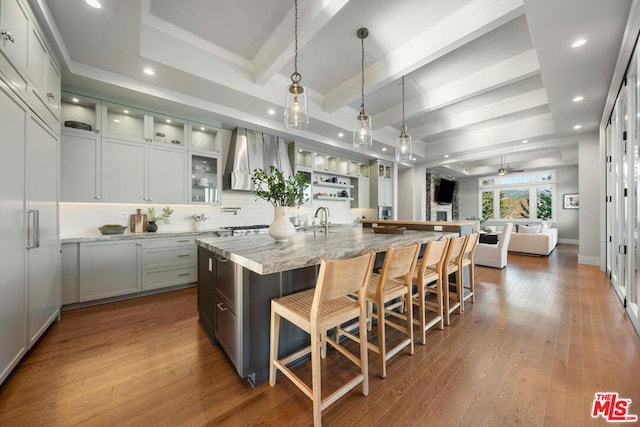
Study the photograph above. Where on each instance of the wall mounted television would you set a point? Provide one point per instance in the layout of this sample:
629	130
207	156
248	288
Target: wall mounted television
444	193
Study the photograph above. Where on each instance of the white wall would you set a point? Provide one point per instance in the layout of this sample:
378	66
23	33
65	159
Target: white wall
590	200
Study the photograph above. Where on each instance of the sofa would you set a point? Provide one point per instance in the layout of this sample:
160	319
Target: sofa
535	239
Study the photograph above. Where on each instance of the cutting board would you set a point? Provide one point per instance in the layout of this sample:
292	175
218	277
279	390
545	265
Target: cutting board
138	222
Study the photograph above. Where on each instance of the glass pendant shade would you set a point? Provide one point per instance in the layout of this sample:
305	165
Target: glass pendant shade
403	147
362	133
296	110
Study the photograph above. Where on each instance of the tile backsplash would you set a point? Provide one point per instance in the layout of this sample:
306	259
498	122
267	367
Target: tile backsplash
83	219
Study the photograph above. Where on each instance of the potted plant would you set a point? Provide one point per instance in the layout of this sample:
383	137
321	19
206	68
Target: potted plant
153	218
282	193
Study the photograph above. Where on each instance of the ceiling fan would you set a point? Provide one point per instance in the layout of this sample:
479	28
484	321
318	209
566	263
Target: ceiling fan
505	170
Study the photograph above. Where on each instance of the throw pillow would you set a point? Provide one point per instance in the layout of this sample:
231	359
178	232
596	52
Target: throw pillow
545	225
530	229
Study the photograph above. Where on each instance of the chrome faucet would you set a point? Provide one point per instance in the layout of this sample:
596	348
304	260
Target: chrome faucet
324	213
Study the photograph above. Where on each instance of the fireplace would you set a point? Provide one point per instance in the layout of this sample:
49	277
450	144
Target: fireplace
441	215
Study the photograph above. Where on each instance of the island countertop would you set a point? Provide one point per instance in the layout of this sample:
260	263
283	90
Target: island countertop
261	254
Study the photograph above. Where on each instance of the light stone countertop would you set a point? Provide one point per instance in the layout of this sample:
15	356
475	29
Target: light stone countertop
261	254
97	237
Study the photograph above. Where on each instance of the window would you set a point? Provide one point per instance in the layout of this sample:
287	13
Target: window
519	197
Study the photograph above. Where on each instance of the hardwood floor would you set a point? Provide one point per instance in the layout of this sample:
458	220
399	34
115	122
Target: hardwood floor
543	336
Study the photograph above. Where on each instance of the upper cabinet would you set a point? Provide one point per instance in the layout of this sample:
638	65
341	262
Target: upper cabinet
27	62
382	184
119	154
14	40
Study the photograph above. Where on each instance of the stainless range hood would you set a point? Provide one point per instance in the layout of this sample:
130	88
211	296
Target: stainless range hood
250	150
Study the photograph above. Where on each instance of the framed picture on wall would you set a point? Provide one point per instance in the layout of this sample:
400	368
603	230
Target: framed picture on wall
571	201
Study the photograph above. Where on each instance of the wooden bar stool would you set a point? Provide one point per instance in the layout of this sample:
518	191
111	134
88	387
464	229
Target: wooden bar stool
468	259
453	264
317	311
393	283
427	279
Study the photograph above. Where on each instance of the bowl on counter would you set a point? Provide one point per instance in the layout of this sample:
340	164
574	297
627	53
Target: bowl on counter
112	229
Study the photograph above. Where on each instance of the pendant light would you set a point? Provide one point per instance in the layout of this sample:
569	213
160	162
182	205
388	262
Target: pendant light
403	142
296	110
362	134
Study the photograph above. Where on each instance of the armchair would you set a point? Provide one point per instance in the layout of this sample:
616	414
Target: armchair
495	255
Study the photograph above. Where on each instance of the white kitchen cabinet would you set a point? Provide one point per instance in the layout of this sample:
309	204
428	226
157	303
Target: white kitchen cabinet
381	184
14	36
167	175
123	171
135	173
132	124
364	194
30	280
169	262
44	79
80	165
109	269
206	179
77	111
204	138
44	279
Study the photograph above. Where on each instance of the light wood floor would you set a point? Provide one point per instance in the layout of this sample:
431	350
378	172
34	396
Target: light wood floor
544	335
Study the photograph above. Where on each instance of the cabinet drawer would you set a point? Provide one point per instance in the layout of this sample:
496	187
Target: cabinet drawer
165	258
225	281
167	242
226	323
164	278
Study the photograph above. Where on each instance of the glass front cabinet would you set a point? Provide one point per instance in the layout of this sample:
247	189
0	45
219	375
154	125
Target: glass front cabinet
206	179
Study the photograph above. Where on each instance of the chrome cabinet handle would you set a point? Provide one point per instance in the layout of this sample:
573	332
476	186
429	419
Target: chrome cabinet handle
221	306
97	197
50	95
7	35
221	259
183	241
184	274
30	229
37	229
182	256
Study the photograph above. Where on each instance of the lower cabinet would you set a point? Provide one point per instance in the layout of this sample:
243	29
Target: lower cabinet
106	269
205	292
109	269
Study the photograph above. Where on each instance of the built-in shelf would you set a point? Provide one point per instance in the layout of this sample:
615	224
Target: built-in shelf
332	198
332	184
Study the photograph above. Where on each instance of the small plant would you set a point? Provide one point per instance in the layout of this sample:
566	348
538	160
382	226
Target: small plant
166	213
275	189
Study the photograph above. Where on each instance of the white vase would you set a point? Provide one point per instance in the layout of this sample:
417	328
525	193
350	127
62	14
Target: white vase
281	229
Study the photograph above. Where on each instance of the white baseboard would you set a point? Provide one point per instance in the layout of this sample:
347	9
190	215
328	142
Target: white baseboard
589	260
568	241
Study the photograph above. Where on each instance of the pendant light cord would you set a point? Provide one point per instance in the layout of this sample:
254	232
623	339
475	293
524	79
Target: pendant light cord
404	128
295	58
362	68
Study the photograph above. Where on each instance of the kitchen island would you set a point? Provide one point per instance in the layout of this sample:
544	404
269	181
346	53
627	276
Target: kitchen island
238	277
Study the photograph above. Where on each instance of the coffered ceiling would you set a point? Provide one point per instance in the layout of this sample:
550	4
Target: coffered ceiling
484	78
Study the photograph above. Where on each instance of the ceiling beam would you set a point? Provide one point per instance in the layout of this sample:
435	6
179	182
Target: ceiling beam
468	23
279	47
494	110
498	75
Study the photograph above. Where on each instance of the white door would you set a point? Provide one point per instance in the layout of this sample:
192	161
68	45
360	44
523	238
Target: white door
633	284
123	171
44	256
13	115
619	270
80	167
610	187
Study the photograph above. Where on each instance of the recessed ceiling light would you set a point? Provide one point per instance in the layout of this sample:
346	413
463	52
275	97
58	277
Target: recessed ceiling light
202	128
75	99
116	120
384	148
340	135
446	156
524	141
578	42
414	159
149	71
126	111
168	120
271	111
576	127
94	3
578	98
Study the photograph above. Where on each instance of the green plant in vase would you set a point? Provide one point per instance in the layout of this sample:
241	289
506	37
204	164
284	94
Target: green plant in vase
153	217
